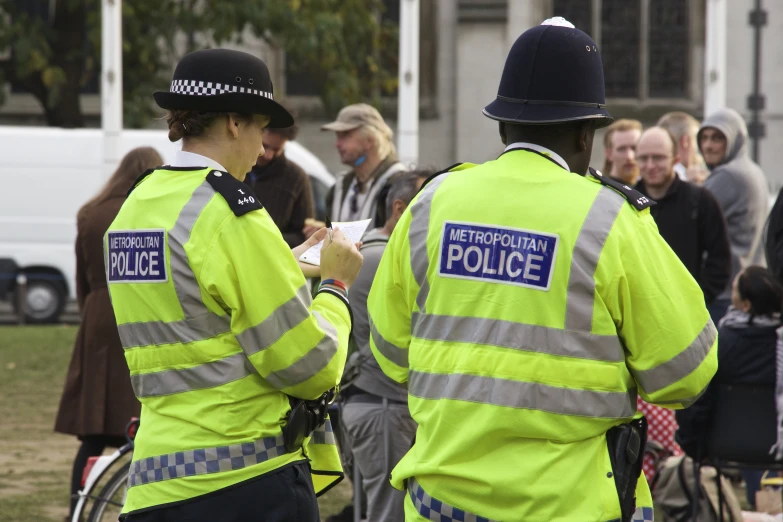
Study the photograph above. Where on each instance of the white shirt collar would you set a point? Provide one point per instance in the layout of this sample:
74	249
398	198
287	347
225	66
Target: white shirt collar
541	150
191	159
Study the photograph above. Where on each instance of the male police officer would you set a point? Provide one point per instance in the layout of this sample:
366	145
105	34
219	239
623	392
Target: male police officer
525	304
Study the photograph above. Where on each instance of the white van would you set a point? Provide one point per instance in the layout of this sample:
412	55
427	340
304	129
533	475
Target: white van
46	175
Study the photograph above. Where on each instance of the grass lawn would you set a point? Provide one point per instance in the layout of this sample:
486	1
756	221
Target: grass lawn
35	462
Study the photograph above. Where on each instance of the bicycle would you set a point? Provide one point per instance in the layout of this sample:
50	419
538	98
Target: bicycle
108	502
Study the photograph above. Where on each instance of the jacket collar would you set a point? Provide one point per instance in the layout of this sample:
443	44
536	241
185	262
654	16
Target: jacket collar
673	188
191	159
540	150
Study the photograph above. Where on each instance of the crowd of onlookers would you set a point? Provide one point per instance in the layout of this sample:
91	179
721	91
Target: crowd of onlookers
711	208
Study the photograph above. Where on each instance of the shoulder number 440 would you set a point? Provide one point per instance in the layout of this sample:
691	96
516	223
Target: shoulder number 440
242	201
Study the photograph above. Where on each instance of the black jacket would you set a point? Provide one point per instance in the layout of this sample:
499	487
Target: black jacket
774	240
745	356
690	220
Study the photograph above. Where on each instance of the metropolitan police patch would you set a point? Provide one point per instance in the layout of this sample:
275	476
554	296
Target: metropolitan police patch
497	254
136	256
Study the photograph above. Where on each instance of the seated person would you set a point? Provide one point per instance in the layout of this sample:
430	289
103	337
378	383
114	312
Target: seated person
746	354
661	426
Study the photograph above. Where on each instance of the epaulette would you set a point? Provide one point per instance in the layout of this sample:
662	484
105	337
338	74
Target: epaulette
239	196
139	180
444	171
638	200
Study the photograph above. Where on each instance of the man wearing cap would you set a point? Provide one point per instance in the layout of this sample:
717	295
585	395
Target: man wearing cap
525	302
364	143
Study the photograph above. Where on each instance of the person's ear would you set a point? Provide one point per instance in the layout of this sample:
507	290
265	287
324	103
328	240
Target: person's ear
585	136
233	126
398	207
502	131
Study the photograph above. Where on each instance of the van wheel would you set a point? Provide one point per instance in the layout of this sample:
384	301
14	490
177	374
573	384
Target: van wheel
44	302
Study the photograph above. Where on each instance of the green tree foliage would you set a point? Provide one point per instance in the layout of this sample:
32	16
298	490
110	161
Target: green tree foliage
53	47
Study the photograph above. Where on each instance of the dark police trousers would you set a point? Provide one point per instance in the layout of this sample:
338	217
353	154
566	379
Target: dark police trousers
285	495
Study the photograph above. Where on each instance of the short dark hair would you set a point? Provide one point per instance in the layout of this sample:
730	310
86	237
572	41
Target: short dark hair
402	186
184	123
760	286
288	133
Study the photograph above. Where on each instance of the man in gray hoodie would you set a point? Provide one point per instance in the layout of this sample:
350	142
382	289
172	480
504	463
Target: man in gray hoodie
740	187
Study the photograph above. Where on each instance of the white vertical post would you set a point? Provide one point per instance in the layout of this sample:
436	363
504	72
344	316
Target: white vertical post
111	82
715	63
408	89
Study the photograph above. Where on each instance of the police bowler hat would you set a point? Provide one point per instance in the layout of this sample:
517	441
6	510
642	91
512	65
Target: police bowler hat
223	80
553	74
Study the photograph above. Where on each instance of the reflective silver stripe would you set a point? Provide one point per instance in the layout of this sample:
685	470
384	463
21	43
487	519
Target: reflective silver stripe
281	320
587	249
437	510
185	331
681	365
312	362
204	461
207	375
199	323
394	353
519	336
523	395
417	237
182	275
324	434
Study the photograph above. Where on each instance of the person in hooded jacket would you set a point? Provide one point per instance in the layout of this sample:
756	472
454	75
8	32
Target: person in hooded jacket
747	341
741	188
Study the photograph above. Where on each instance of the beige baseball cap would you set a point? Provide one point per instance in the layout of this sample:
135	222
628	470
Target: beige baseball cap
354	116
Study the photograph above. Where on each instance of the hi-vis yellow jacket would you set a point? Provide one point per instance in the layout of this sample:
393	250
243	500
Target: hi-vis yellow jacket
525	306
219	328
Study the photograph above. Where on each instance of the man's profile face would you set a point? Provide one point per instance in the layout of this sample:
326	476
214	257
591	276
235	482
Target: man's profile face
273	148
712	144
622	154
351	145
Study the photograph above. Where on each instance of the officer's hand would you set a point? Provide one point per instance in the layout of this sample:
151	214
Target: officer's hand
340	259
307	269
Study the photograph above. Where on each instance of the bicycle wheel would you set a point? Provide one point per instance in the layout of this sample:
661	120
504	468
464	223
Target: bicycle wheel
108	504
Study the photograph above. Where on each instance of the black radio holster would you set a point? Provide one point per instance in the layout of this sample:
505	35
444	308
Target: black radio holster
304	417
626	452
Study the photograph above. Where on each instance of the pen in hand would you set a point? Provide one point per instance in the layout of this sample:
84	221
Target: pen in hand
329	228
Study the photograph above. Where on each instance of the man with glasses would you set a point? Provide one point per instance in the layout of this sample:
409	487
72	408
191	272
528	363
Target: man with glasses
689	217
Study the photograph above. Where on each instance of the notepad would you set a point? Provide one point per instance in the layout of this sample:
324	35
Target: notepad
353	230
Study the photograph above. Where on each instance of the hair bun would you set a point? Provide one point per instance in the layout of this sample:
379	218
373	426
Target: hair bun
176	131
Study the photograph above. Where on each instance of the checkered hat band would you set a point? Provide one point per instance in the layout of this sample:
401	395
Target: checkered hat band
204	461
436	510
200	88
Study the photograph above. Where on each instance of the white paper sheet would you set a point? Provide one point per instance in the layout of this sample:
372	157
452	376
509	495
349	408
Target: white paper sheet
353	230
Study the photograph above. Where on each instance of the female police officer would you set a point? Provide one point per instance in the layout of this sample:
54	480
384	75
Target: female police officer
215	316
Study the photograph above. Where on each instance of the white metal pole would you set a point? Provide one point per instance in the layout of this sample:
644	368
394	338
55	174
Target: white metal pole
715	66
111	83
408	90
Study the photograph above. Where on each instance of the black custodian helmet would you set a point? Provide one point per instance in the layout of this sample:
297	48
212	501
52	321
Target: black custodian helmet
553	74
